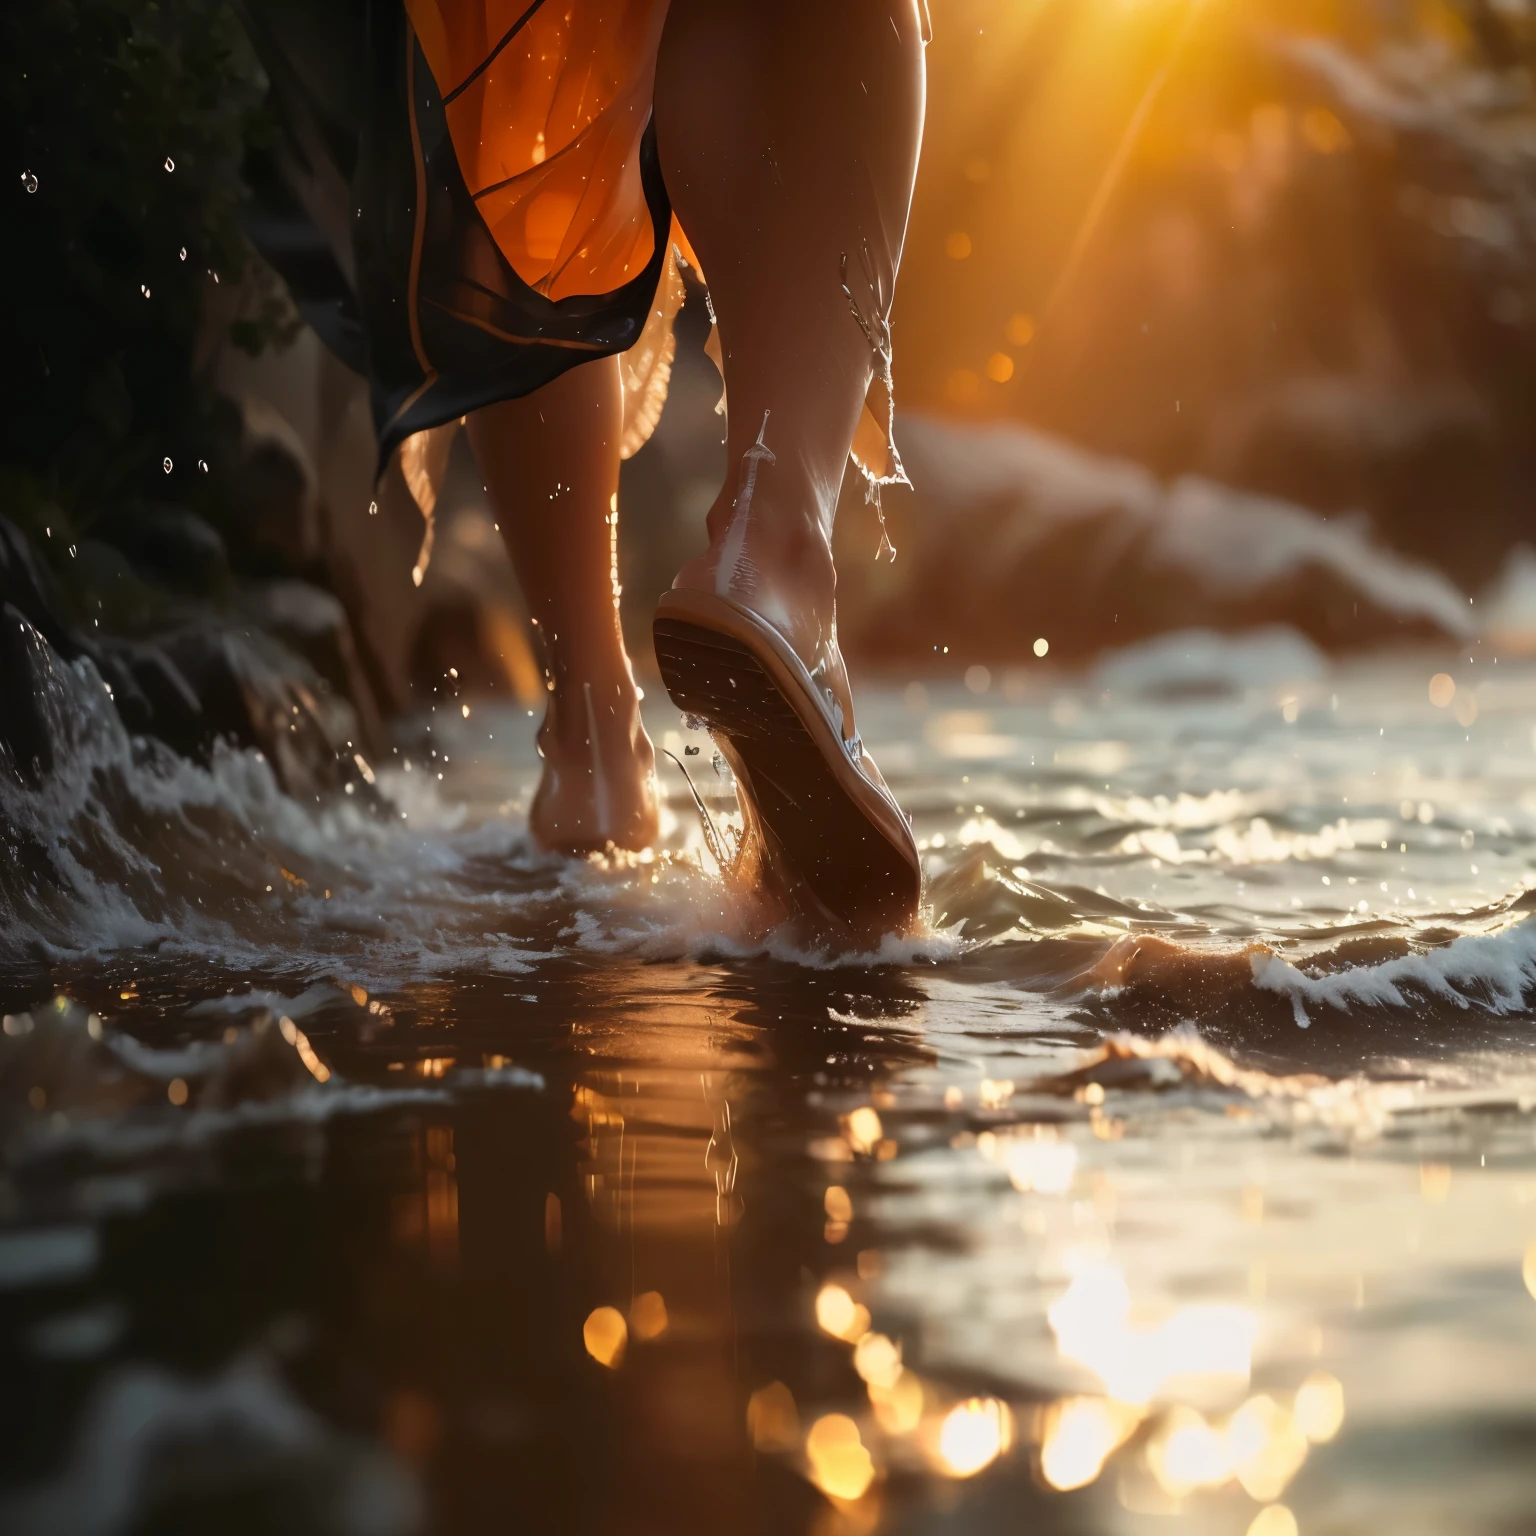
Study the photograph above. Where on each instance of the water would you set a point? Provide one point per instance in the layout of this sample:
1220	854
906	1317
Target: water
1181	1176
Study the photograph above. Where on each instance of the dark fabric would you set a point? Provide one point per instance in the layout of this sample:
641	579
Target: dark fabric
367	218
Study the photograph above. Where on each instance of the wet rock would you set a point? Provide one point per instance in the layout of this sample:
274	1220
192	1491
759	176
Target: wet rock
24	741
314	624
173	547
471	620
251	692
203	681
60	1059
24	585
150	693
1012	536
105	586
269	509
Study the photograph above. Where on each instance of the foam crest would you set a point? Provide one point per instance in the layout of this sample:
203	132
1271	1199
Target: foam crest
1493	972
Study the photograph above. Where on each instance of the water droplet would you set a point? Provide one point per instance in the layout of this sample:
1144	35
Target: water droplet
183	253
202	465
29	181
143	288
373	509
170	164
165	464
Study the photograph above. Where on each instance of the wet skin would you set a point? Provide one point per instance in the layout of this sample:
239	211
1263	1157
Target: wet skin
789	138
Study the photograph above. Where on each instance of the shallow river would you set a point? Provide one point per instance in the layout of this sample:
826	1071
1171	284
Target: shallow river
365	1172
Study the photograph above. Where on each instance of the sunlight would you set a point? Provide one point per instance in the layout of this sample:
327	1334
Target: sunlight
1092	1323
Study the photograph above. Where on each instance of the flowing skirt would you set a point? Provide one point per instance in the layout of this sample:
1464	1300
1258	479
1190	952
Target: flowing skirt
467	199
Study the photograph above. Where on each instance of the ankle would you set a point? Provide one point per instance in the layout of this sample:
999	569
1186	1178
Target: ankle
786	546
586	656
581	706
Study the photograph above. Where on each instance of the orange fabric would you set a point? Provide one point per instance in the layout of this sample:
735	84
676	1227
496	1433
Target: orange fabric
548	132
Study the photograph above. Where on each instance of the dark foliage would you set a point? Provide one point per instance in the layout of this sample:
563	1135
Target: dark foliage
125	125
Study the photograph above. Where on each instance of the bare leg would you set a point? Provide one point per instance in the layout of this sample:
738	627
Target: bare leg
789	136
551	467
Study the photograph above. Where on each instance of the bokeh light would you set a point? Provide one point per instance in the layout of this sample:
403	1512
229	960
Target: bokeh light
605	1334
863	1129
974	1434
1080	1434
1276	1520
878	1361
773	1421
648	1316
839	1463
1319	1409
839	1314
898	1407
1092	1323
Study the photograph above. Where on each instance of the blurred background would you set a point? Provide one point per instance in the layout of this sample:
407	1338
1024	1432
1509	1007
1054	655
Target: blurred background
1212	315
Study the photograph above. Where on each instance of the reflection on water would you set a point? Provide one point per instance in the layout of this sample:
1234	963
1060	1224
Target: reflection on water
1187	1182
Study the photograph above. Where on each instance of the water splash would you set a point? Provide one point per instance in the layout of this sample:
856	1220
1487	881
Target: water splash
736	570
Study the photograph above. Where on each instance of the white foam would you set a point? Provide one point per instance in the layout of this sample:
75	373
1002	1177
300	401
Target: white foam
144	849
299	1005
140	1132
142	1422
1201	658
1492	972
46	1256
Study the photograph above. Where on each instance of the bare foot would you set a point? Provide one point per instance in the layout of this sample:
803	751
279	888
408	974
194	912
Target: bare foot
599	783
